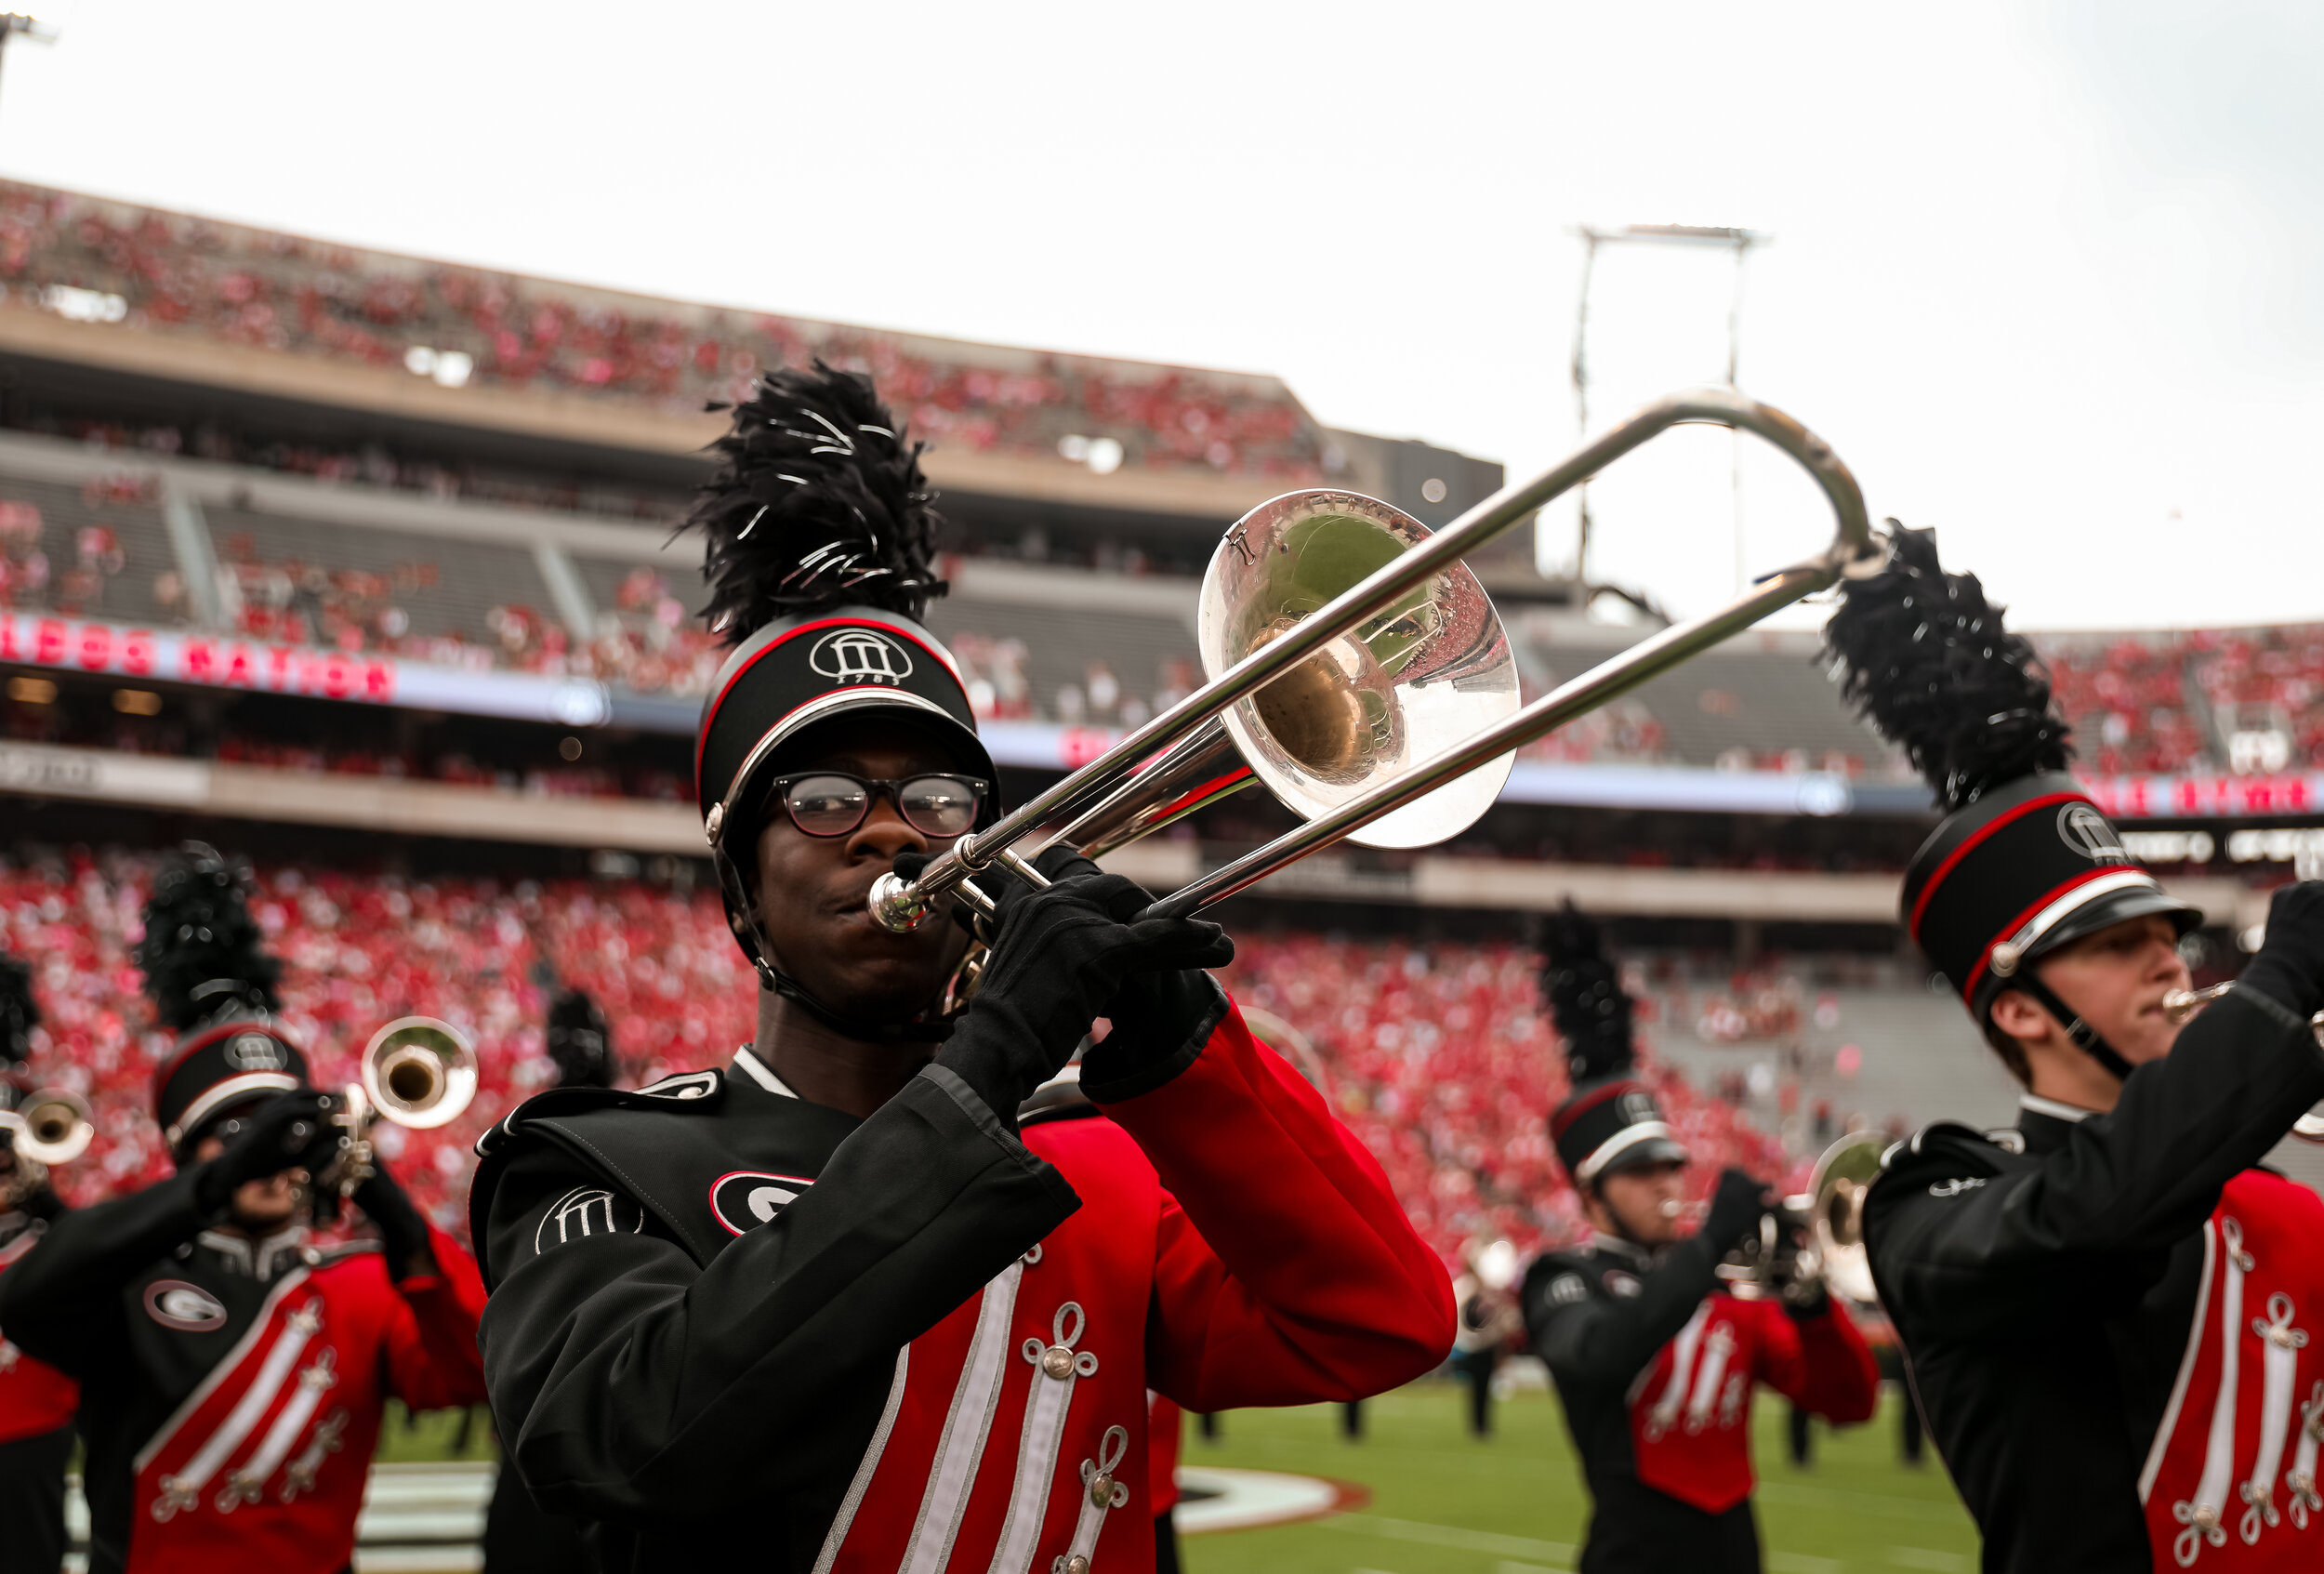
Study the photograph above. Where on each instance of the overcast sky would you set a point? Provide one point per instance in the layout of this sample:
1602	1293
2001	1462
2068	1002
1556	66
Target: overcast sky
2047	275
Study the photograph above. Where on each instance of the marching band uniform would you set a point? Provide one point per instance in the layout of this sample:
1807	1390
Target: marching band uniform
1656	1365
231	1387
36	1408
1654	1362
2106	1318
732	1326
36	1400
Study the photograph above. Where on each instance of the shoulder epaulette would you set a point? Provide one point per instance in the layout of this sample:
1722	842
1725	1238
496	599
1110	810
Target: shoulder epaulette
686	1091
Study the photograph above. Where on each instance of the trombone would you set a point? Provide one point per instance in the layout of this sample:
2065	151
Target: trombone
1816	1239
2181	1004
54	1127
418	1072
1346	646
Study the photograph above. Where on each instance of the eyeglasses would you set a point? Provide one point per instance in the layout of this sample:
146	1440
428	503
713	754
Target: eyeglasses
830	803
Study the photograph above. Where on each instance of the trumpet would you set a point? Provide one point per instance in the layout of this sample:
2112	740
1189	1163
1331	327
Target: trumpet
1358	669
1815	1241
418	1072
2180	1005
53	1127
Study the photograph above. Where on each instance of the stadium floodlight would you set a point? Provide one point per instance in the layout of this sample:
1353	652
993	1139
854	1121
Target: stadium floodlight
13	24
1717	236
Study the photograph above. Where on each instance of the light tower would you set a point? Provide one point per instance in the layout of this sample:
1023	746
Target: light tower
1739	242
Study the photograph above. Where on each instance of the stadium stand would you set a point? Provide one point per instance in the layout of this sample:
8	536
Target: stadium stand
1438	1056
172	274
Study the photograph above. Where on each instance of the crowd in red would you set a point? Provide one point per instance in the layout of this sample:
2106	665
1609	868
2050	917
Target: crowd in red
1439	1058
2138	701
462	327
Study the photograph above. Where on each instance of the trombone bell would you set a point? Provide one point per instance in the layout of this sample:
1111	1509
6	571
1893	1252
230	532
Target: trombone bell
419	1072
1417	676
52	1127
1835	1192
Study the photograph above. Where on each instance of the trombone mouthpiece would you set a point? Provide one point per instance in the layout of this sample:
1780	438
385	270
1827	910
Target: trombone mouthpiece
895	905
1670	1208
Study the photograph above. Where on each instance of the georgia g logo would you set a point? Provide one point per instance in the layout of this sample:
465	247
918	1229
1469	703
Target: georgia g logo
188	1308
2085	830
743	1199
860	655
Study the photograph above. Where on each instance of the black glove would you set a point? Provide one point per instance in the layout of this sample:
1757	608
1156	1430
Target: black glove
1057	861
1060	955
1735	1209
2290	968
292	1131
403	1233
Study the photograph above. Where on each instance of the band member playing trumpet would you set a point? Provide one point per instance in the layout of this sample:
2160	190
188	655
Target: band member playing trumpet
36	1400
1653	1360
830	1306
232	1376
2113	1323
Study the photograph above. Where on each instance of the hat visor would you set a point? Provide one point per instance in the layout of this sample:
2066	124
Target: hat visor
800	743
2114	908
1645	1153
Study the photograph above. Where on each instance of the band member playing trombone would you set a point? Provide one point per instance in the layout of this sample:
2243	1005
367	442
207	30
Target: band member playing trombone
36	1400
232	1376
1653	1360
2113	1323
830	1307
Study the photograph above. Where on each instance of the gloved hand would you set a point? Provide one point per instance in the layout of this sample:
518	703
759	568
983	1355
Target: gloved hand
2290	968
1055	863
292	1131
1061	954
1735	1209
403	1233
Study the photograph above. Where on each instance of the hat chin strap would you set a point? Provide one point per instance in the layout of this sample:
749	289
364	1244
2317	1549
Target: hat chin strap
2084	1036
922	1028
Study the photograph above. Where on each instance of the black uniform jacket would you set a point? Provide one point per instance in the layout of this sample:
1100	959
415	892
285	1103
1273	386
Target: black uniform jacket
2041	1280
703	1387
1634	1304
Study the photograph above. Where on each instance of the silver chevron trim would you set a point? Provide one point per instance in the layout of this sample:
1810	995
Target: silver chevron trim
865	1468
220	1372
967	1424
182	1490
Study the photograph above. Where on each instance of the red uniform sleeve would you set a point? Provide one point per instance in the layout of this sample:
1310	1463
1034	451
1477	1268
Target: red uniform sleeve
433	1362
1284	1271
1819	1363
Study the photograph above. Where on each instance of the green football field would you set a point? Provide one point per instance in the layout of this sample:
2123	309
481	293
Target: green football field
1444	1504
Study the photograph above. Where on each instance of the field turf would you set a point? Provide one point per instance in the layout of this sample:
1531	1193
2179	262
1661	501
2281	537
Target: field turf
1443	1503
1446	1503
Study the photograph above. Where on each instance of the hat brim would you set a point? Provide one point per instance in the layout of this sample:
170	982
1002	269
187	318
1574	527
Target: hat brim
788	747
2114	908
1644	1155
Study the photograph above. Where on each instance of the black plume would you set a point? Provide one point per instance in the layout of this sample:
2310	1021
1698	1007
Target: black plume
1923	656
203	958
579	1041
1586	998
19	1013
817	503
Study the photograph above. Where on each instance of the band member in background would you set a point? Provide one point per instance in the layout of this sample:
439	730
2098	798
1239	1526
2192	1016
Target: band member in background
1488	1319
1653	1360
2112	1320
36	1400
830	1307
232	1376
519	1538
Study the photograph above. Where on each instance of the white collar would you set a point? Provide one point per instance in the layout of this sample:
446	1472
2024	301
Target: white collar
750	1066
2052	1108
258	1258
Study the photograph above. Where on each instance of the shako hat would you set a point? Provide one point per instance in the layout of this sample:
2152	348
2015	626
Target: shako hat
579	1041
818	541
1611	1120
213	985
2022	860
